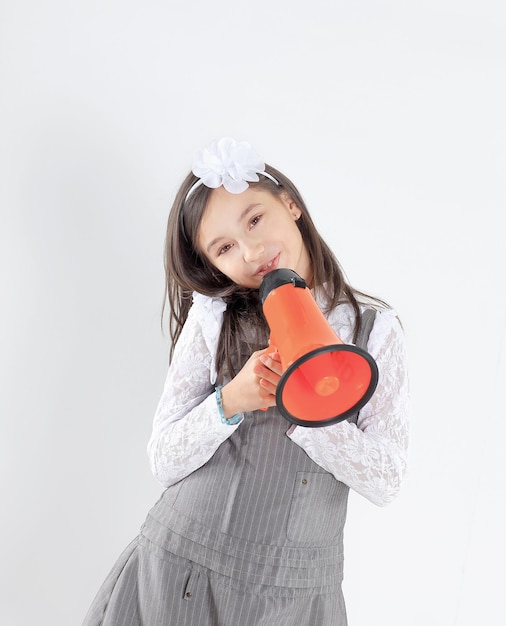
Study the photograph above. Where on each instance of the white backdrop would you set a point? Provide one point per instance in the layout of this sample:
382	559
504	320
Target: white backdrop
389	116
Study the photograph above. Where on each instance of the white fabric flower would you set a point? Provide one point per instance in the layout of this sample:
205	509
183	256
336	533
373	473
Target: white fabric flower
229	163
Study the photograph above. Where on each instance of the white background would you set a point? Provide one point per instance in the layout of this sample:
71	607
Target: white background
389	116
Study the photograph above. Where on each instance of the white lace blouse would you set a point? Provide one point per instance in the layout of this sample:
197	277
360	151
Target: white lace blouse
370	457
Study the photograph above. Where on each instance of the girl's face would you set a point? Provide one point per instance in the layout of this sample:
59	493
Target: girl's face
247	235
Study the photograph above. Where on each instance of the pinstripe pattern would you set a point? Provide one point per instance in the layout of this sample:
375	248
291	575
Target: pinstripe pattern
177	592
254	537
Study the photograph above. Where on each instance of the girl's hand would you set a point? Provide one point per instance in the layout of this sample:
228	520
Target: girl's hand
254	387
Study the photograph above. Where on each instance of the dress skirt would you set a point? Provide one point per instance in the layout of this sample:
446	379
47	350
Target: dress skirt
149	586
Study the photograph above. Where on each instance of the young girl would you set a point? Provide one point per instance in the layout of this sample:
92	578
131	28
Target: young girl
249	530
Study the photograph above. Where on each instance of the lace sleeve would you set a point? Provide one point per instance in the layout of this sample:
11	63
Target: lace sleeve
187	428
370	457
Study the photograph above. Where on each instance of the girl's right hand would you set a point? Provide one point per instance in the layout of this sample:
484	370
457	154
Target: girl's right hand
254	387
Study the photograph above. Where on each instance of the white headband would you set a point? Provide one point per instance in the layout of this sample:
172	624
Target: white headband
229	163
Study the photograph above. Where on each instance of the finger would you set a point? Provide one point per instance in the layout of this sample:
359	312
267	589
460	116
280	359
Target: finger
259	353
269	387
269	381
270	373
273	364
261	371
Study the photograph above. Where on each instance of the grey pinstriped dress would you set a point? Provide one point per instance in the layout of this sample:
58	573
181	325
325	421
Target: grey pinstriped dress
252	538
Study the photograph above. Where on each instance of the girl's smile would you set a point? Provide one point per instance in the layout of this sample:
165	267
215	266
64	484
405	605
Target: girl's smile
272	265
247	235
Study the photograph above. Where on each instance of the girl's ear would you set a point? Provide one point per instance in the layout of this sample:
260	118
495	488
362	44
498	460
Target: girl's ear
291	205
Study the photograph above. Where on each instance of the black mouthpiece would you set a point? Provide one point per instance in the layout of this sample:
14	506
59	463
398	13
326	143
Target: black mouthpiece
276	278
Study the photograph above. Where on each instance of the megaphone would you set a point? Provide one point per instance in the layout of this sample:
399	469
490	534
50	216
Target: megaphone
324	380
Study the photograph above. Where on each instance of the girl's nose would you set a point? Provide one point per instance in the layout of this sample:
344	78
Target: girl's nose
252	252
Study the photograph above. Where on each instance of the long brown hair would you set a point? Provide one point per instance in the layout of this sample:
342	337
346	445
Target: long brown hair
187	270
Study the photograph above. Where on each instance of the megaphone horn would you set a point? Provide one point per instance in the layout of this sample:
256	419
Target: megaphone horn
324	380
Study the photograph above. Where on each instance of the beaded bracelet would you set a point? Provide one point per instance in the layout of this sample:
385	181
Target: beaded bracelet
231	421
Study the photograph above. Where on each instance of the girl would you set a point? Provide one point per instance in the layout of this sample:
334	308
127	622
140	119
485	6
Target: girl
249	530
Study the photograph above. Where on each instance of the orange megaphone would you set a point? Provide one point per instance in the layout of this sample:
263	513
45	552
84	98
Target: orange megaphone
324	380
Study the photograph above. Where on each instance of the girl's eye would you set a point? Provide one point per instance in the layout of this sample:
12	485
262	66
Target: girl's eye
255	220
224	249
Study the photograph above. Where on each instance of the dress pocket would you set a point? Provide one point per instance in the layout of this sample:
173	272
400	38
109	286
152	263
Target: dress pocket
318	509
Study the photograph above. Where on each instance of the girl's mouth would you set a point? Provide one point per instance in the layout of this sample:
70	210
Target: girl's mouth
268	267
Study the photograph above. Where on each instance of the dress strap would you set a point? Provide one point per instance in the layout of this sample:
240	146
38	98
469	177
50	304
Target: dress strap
367	322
